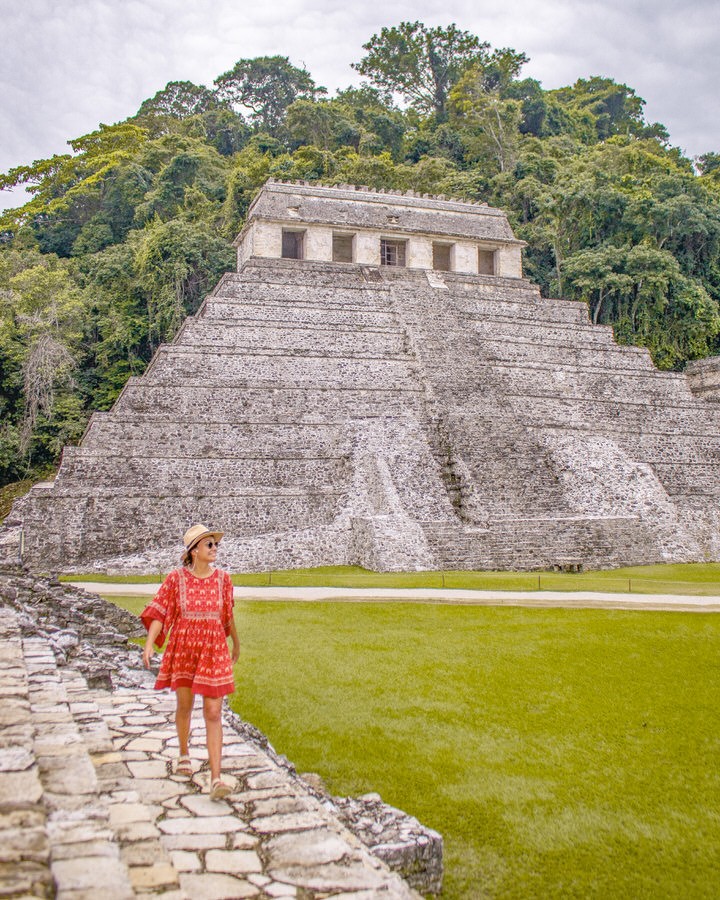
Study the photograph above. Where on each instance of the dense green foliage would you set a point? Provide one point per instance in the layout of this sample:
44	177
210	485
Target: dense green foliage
123	236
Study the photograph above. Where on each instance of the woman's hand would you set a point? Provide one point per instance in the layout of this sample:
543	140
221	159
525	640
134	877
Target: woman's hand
235	652
153	632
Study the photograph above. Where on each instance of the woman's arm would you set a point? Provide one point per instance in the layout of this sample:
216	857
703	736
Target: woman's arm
162	609
153	631
235	652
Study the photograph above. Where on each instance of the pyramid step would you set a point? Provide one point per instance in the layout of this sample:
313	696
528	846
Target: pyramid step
172	362
320	313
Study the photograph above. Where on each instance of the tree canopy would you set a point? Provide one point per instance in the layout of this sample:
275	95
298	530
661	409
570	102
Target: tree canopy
179	99
422	64
121	237
266	86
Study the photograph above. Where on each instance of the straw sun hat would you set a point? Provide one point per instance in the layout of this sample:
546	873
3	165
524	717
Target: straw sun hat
196	533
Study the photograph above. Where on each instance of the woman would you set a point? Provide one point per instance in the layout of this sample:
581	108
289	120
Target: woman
195	605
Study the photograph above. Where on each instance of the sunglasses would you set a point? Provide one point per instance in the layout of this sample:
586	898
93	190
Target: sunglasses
211	544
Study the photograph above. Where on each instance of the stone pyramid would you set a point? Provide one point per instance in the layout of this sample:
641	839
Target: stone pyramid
377	384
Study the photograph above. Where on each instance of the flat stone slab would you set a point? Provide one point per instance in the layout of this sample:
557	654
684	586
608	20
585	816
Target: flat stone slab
81	707
123	813
156	790
16	759
49	716
23	817
331	878
307	848
96	848
202	825
198	841
20	787
269	779
281	806
68	774
233	862
147	745
112	756
145	719
245	759
150	769
156	875
14	711
202	805
243	841
16	735
186	860
77	832
277	792
291	822
217	887
282	891
86	873
136	831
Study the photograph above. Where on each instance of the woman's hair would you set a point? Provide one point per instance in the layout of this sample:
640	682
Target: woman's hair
187	558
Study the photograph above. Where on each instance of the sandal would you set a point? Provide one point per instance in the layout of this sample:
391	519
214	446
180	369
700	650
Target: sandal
219	789
184	766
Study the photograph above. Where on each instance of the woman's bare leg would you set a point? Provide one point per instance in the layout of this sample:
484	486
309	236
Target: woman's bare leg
183	713
212	711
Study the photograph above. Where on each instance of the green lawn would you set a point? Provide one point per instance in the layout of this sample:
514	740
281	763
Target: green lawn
561	753
9	493
684	578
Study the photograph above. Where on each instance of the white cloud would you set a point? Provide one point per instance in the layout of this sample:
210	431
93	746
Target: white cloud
67	67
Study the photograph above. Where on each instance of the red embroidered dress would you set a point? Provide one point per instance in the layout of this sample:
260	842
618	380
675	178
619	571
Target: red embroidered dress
197	613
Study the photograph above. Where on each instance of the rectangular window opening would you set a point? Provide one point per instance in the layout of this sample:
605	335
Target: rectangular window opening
342	247
442	257
392	253
486	262
293	244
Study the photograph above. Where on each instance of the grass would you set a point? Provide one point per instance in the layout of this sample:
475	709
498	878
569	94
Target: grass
684	578
134	603
9	493
101	578
561	753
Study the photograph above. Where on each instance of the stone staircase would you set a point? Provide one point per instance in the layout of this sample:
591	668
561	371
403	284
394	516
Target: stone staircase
557	442
90	807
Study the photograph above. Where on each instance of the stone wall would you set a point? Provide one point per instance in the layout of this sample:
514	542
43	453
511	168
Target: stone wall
703	376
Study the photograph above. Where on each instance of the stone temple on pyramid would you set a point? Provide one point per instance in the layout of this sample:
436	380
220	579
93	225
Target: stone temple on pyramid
378	385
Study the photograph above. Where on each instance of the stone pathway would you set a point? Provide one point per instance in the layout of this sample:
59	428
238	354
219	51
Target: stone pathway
89	807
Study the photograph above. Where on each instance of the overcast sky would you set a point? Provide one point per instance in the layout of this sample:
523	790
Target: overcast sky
68	65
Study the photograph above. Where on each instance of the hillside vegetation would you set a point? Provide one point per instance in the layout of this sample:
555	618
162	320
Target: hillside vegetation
123	236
